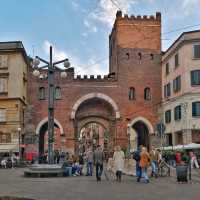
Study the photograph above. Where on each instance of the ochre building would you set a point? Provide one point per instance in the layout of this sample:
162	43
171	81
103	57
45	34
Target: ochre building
123	105
13	95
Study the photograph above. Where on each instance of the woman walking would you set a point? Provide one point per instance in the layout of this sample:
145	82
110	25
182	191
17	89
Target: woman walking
118	158
144	163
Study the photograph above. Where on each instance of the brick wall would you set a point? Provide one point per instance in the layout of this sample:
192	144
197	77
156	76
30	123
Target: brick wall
131	70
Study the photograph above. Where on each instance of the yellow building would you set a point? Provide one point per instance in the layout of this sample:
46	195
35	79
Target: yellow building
13	94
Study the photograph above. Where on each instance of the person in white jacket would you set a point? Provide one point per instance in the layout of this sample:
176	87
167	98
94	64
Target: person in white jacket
118	158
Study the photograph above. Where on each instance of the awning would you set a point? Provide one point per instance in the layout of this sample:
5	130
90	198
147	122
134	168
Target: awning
9	147
179	147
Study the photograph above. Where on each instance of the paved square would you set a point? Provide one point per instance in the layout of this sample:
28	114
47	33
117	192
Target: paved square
85	188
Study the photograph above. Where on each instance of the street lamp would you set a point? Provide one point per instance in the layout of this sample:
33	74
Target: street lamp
50	66
19	141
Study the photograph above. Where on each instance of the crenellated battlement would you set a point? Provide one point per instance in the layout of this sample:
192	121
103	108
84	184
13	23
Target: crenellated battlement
93	78
157	17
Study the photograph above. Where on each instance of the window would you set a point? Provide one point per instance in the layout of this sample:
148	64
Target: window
177	84
5	137
177	113
57	93
167	90
167	69
152	56
42	94
131	94
140	56
3	85
147	93
176	60
127	56
2	115
3	61
195	77
196	51
168	116
196	109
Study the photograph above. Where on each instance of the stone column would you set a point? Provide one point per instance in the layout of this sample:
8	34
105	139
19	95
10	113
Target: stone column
187	136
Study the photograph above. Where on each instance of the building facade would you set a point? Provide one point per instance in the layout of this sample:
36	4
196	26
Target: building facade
125	100
181	89
13	94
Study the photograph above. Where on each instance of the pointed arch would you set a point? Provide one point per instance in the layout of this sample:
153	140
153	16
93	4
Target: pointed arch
145	121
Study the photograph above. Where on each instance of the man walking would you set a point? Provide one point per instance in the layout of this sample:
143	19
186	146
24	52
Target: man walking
89	159
98	161
136	157
154	162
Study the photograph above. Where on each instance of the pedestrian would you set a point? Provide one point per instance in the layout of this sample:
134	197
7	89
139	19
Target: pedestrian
89	160
118	158
98	161
193	160
154	156
136	157
144	163
178	158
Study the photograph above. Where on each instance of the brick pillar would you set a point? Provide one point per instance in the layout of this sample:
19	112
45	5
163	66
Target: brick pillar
187	136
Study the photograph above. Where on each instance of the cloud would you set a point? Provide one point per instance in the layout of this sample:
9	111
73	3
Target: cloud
75	5
189	6
90	27
89	67
84	34
106	11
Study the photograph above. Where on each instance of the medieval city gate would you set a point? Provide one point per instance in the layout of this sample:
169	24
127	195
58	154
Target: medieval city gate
95	109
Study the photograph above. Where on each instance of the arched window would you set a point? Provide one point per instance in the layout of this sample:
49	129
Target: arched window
57	93
131	94
41	94
127	56
140	56
152	56
147	93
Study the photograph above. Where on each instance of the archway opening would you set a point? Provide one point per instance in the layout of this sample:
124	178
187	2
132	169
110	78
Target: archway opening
98	117
43	138
142	133
91	135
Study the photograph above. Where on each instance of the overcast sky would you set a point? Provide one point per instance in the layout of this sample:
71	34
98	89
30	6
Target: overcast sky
79	29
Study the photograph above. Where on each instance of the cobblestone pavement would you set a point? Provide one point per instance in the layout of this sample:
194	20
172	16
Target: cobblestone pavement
12	183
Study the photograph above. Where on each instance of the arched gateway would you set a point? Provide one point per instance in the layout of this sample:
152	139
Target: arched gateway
140	130
94	116
42	132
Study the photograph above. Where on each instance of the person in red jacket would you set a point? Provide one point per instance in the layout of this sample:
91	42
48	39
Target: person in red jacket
178	158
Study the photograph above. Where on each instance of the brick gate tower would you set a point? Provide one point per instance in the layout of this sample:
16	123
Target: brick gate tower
124	103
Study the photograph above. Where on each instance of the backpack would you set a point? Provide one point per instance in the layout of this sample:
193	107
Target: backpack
136	156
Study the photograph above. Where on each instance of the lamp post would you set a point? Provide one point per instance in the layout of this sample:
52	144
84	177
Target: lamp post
50	66
19	142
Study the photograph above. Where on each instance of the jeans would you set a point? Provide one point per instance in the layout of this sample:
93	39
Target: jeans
138	170
68	171
144	173
89	168
154	166
99	170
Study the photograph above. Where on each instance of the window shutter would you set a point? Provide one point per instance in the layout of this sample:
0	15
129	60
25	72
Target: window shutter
197	51
3	85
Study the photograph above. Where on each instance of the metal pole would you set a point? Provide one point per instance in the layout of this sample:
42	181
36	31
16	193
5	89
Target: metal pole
50	109
19	133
